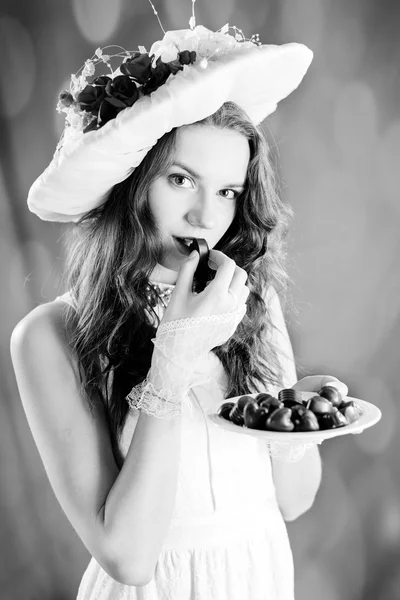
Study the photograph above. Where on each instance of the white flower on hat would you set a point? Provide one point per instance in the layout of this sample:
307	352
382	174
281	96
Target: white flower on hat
173	42
203	41
212	42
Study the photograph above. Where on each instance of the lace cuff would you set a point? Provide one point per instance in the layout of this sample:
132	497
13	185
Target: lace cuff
185	341
289	451
162	404
178	346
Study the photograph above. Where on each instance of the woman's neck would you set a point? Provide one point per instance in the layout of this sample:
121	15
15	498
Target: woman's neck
161	274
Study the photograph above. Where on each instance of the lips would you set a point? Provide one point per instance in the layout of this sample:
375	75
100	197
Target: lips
181	245
187	241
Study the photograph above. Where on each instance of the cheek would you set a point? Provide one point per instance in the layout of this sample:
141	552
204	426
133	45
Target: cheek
161	204
231	212
156	198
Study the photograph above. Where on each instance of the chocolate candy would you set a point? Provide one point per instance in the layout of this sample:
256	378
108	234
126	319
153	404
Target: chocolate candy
350	410
289	396
225	409
271	404
280	420
297	415
254	416
332	394
338	419
201	274
263	396
325	420
319	405
236	414
303	419
307	421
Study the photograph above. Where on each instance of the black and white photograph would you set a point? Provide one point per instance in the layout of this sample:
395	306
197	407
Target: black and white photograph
200	300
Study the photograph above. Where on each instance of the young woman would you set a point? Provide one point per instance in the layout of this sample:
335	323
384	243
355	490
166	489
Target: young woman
118	377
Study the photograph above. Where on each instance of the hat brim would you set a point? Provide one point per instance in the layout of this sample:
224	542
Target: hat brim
85	169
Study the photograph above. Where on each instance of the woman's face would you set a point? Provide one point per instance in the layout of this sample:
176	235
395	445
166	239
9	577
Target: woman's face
197	195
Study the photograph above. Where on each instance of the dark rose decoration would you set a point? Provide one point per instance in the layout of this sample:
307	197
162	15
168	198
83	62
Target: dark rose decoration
105	97
107	112
159	76
102	81
175	66
91	97
66	98
187	58
121	91
138	67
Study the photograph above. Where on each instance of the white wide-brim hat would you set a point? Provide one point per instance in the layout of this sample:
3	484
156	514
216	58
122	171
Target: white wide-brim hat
86	166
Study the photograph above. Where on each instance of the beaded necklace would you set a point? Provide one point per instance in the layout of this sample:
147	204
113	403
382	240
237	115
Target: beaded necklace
164	291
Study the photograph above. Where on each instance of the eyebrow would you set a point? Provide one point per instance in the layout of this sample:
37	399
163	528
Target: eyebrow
197	176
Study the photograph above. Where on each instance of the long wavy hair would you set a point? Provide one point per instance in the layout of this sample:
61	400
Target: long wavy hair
112	250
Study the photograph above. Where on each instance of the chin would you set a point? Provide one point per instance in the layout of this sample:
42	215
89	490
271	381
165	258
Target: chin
170	263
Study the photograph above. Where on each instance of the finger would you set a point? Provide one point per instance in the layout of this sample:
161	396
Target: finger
244	295
314	383
184	282
238	281
225	269
241	298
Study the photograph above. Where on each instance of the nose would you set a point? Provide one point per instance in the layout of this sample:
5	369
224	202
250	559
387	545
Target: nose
202	213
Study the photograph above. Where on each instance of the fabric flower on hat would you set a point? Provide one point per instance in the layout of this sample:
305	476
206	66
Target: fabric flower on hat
203	41
173	42
121	91
138	66
92	96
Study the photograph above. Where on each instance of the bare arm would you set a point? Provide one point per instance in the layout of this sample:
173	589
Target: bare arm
121	517
296	483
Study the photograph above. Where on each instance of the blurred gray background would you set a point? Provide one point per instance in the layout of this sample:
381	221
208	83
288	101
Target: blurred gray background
339	145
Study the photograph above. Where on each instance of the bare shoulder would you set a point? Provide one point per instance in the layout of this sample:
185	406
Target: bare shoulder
45	365
45	323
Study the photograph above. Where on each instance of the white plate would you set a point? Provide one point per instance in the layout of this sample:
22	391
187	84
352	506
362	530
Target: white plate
371	415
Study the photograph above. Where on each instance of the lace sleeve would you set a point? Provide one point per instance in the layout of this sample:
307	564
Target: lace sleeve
179	345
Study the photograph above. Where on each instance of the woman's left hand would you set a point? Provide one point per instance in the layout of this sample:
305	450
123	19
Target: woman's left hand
314	383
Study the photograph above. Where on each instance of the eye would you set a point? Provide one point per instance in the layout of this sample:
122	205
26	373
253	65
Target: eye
233	196
179	180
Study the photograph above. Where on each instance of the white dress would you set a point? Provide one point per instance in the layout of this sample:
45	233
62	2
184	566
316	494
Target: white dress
227	539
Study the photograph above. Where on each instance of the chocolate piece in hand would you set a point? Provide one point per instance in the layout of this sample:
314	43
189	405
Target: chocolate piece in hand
201	273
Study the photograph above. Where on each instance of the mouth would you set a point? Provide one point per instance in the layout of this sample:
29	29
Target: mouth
183	244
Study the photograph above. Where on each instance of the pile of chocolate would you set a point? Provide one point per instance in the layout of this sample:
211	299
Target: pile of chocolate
289	412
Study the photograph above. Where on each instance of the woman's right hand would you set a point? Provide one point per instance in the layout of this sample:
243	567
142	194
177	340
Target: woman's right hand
225	293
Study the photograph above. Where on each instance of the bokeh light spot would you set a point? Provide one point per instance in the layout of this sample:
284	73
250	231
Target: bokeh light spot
97	19
376	439
18	66
388	166
355	130
315	582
